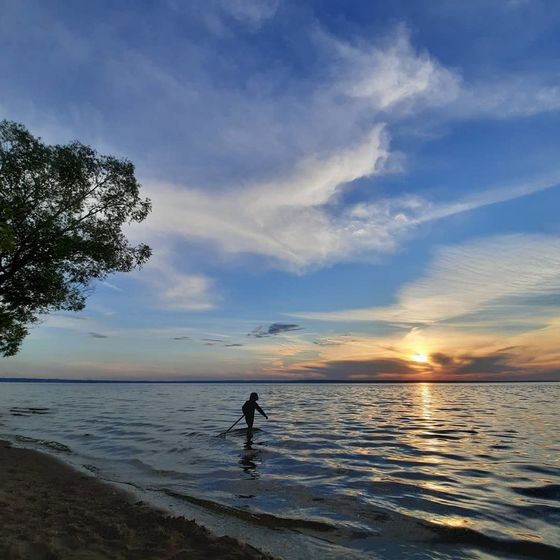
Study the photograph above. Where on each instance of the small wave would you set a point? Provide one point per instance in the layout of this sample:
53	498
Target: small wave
542	511
260	518
442	436
545	492
45	443
28	411
554	471
244	431
390	524
509	547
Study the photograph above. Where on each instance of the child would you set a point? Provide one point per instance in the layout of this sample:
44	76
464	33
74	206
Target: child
249	409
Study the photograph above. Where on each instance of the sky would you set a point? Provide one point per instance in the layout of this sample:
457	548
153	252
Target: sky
342	190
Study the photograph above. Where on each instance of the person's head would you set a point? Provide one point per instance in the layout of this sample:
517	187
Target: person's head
254	397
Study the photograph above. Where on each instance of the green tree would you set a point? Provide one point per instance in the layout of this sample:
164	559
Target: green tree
62	209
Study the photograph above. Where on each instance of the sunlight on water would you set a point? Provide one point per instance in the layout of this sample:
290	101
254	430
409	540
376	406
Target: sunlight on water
339	471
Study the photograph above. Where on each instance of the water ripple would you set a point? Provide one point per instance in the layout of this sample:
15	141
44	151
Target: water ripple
447	471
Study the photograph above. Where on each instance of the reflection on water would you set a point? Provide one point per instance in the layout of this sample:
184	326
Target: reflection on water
347	471
250	457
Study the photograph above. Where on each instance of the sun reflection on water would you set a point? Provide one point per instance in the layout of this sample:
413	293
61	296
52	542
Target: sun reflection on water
426	398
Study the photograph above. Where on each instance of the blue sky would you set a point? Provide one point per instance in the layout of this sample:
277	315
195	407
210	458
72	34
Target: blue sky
341	190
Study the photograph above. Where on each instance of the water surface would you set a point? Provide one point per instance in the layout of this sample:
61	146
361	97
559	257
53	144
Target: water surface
339	470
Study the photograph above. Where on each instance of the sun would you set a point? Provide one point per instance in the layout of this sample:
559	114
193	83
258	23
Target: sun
421	358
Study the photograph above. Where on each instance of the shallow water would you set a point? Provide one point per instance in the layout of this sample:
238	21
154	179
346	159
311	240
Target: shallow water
339	470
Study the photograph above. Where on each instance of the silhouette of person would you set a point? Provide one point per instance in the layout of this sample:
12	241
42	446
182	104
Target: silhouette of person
249	409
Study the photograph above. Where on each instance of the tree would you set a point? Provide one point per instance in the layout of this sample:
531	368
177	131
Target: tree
62	209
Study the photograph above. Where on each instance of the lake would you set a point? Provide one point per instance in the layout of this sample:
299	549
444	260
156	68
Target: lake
353	471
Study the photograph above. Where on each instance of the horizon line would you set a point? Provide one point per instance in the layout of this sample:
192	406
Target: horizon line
272	381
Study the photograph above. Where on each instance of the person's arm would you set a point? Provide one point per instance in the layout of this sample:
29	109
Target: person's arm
261	410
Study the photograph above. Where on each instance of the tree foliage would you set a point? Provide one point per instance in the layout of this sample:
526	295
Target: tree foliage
62	209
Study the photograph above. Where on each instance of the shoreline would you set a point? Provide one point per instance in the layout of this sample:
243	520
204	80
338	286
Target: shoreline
54	512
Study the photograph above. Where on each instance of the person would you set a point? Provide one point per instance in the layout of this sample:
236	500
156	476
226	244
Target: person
249	409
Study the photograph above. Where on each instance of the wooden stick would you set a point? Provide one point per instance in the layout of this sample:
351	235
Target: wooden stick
224	433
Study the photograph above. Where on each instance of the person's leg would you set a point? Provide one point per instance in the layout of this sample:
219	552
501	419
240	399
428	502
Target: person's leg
250	418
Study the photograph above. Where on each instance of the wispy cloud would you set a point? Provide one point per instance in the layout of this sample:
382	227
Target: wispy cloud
284	219
391	75
175	289
511	97
253	13
272	184
296	221
470	278
110	285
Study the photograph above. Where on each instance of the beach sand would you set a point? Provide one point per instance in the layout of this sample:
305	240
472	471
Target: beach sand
49	511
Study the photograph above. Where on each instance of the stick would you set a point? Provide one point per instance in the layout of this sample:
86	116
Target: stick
224	433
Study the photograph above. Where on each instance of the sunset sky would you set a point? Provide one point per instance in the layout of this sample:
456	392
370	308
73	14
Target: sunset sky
341	189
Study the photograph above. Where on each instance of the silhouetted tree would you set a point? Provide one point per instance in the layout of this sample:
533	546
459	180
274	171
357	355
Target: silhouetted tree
62	208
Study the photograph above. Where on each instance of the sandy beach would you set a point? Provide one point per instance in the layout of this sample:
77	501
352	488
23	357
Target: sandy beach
52	512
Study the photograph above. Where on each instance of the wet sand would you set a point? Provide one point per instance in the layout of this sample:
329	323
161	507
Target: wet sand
49	511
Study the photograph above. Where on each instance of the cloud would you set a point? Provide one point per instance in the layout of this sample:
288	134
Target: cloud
329	342
510	97
196	111
67	322
182	338
392	75
501	361
470	278
297	221
253	13
110	286
274	329
174	289
501	364
286	219
366	369
296	217
98	335
187	292
257	159
498	365
71	317
486	365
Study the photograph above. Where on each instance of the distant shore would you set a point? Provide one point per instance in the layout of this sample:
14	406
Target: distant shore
279	381
53	512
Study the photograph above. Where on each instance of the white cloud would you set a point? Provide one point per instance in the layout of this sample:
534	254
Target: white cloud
251	12
259	125
189	292
296	221
471	278
400	81
285	219
506	97
175	289
393	76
